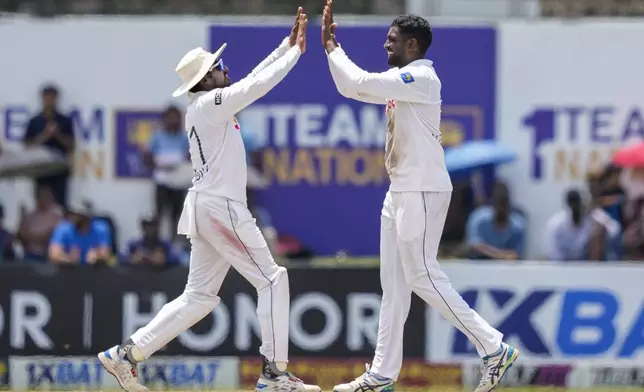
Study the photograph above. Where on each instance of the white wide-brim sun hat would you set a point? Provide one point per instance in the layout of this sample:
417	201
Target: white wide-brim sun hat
194	66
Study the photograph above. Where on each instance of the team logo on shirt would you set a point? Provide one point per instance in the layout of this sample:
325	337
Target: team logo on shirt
407	78
218	97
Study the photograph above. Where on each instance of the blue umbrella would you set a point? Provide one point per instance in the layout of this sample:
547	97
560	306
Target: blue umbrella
477	154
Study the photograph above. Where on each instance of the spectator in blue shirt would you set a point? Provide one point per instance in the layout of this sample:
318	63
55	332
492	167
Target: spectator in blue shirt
81	239
496	232
150	249
169	147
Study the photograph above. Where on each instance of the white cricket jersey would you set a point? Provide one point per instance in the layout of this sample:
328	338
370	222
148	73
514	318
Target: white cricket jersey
414	156
216	147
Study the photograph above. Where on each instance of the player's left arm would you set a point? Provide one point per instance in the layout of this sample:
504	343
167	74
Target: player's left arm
286	44
274	56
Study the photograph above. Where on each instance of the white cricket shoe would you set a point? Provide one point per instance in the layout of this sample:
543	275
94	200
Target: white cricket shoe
494	368
366	382
124	372
285	383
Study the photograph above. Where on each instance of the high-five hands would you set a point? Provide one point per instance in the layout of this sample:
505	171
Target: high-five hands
293	36
329	41
300	39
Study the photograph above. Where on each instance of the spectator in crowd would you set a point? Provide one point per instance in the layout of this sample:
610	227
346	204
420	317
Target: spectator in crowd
633	238
54	130
168	148
604	187
7	249
579	233
632	182
37	226
81	239
150	249
496	232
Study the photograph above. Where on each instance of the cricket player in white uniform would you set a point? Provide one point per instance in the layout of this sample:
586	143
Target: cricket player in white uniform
215	218
416	204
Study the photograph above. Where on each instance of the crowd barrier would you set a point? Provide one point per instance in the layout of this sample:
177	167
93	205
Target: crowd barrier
577	325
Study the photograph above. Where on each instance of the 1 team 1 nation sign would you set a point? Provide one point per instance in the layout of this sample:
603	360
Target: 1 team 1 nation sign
49	311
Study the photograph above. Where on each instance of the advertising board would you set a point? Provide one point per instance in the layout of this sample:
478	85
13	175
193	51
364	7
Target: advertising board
87	373
554	313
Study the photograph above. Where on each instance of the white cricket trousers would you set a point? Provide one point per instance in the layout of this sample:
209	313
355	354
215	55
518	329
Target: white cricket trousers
226	235
411	228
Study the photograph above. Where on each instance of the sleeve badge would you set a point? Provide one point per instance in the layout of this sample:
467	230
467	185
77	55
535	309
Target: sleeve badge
407	78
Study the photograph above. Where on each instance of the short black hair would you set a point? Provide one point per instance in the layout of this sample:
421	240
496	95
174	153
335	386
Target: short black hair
149	220
414	26
50	89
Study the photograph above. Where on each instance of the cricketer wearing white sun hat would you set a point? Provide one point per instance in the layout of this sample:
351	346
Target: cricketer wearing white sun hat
216	218
194	66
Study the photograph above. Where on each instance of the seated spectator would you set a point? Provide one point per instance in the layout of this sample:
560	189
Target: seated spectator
80	239
633	239
7	250
150	249
577	233
496	232
37	226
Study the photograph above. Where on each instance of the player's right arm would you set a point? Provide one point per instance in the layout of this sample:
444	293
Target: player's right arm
342	84
410	84
230	100
340	79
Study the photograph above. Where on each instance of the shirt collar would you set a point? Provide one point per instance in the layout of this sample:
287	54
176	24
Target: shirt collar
194	96
421	62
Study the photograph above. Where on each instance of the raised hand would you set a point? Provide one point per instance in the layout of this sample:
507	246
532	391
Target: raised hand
293	36
329	41
301	32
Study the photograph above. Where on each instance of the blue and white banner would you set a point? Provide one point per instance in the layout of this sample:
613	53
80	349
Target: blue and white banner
323	153
565	108
554	313
86	373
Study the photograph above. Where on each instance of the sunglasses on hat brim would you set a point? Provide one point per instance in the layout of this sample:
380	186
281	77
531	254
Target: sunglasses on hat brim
219	66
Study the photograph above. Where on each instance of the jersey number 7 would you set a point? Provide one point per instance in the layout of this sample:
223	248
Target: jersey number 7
193	132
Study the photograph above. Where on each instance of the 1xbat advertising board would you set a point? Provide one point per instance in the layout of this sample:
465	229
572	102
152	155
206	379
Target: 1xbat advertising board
323	153
554	313
87	373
